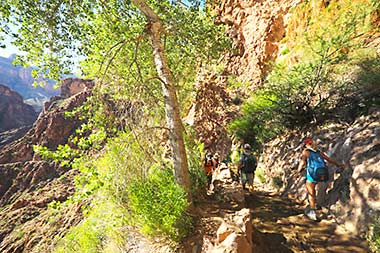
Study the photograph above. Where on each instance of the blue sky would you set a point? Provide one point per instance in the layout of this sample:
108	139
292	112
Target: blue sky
10	49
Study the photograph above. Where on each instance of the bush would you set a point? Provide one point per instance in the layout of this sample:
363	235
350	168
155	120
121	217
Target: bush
260	175
258	122
159	205
195	150
277	182
373	236
101	226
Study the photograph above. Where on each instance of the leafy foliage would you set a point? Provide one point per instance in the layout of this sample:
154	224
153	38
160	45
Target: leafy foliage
64	154
258	123
101	231
159	205
195	154
131	176
373	236
122	121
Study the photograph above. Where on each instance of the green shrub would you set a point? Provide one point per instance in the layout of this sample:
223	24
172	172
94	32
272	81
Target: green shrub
195	150
258	122
100	227
158	205
198	180
277	182
260	175
373	236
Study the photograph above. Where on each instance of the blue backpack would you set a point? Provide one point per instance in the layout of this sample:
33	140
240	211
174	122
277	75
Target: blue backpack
316	166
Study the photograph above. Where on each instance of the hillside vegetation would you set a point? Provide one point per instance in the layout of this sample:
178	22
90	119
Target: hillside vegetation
128	174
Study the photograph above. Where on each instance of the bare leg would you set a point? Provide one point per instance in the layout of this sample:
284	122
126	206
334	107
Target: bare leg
251	178
311	194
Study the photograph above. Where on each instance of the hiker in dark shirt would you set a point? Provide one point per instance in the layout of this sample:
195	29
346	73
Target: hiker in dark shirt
316	171
247	166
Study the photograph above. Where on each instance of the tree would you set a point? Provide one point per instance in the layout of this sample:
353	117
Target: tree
173	116
110	35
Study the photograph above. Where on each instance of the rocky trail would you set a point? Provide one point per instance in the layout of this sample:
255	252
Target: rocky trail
280	226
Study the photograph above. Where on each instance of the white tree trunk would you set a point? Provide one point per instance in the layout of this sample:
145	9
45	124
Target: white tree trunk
173	117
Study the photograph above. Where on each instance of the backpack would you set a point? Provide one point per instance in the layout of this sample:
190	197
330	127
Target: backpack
209	164
316	166
249	163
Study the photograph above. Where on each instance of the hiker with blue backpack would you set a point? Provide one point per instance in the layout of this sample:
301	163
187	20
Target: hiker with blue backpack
247	166
316	171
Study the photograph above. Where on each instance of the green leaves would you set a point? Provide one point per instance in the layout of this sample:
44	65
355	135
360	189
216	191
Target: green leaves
159	205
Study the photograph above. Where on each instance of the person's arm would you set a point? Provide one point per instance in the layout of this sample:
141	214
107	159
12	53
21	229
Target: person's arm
330	160
302	164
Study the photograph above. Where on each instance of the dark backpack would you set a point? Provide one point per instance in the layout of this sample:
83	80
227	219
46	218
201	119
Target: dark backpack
249	163
316	166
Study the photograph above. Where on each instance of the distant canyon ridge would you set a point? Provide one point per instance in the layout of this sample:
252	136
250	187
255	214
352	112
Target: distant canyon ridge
20	101
20	80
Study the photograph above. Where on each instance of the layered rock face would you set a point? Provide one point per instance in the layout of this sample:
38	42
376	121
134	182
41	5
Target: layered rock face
14	113
28	184
256	27
213	109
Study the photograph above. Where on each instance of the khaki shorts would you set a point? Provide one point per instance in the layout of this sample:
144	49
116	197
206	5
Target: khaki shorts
246	178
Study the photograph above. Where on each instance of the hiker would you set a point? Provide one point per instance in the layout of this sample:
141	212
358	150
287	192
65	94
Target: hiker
209	166
246	167
316	171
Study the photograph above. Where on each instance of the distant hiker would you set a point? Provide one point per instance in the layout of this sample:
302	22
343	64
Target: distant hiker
316	171
247	166
209	166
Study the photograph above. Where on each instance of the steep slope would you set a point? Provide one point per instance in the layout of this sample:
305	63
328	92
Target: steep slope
256	29
28	184
14	113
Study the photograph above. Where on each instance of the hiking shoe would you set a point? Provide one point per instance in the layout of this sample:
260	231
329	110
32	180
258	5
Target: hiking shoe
312	214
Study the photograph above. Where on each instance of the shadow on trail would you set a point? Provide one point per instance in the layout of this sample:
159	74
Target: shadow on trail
280	226
270	207
269	242
267	209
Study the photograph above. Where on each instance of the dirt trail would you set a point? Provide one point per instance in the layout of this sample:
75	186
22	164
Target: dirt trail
280	227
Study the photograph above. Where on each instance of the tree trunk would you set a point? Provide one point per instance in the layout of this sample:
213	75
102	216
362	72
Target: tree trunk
172	110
